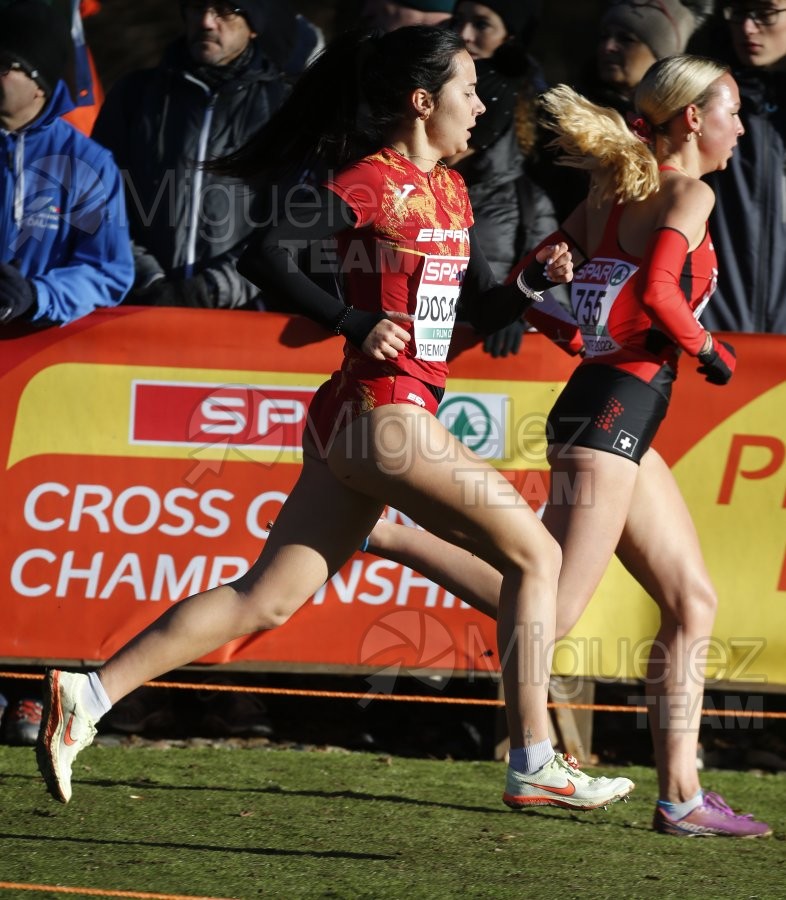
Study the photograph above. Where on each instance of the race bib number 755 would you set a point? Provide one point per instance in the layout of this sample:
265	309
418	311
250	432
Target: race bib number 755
595	287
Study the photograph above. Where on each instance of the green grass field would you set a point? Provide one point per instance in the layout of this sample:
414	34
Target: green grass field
247	823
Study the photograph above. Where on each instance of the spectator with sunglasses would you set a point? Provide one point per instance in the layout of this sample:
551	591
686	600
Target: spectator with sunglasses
214	88
749	220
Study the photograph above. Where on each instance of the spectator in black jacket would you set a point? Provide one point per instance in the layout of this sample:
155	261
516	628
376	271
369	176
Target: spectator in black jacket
512	214
214	87
748	224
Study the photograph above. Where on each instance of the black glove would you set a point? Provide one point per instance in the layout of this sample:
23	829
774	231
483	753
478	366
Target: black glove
196	292
160	293
718	363
17	293
506	341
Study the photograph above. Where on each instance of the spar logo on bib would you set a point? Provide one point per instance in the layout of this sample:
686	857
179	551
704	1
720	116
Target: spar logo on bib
438	293
479	421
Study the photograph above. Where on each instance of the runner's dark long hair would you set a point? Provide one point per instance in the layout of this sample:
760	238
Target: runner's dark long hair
345	102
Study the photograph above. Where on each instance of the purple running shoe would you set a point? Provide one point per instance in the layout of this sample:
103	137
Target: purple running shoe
714	818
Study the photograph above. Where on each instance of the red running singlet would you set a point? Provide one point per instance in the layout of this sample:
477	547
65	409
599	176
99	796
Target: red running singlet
407	253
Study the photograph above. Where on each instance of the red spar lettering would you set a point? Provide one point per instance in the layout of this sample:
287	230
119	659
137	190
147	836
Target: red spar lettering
444	272
595	273
776	453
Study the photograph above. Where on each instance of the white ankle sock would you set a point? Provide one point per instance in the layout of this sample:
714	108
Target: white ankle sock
94	697
529	759
680	810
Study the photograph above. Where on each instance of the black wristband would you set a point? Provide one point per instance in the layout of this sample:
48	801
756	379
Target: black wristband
357	324
535	278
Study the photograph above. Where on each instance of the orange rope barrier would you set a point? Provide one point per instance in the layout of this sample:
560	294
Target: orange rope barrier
411	698
97	892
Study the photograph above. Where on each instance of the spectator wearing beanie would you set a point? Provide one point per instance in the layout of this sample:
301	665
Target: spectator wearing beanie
388	15
64	247
632	37
35	40
487	26
500	31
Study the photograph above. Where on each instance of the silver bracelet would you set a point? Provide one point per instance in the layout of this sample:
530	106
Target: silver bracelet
707	346
341	319
529	293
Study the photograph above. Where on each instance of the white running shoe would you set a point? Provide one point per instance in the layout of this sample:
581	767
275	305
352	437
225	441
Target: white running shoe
561	783
66	728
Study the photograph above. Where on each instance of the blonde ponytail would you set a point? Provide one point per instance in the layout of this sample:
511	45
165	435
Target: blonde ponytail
597	139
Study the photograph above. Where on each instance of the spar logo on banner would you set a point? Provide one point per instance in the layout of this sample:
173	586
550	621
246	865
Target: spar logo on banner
158	412
273	417
195	414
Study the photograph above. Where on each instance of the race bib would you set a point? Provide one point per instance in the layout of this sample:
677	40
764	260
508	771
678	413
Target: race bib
438	293
595	287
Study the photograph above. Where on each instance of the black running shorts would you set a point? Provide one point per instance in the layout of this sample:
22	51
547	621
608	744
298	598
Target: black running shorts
604	408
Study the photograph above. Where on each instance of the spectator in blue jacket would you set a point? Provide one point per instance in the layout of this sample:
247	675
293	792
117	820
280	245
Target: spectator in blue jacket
64	245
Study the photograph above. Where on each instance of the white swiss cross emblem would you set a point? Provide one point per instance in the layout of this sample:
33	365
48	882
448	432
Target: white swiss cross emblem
626	443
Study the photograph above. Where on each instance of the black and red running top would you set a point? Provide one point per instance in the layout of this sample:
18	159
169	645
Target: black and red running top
634	313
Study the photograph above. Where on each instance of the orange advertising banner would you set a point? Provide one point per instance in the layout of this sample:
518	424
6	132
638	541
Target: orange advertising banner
145	453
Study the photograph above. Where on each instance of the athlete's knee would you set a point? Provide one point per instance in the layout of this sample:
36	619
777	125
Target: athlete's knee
541	558
265	616
696	605
702	605
553	558
258	611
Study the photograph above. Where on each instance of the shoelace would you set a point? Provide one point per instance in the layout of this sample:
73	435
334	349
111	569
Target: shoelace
716	802
566	761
